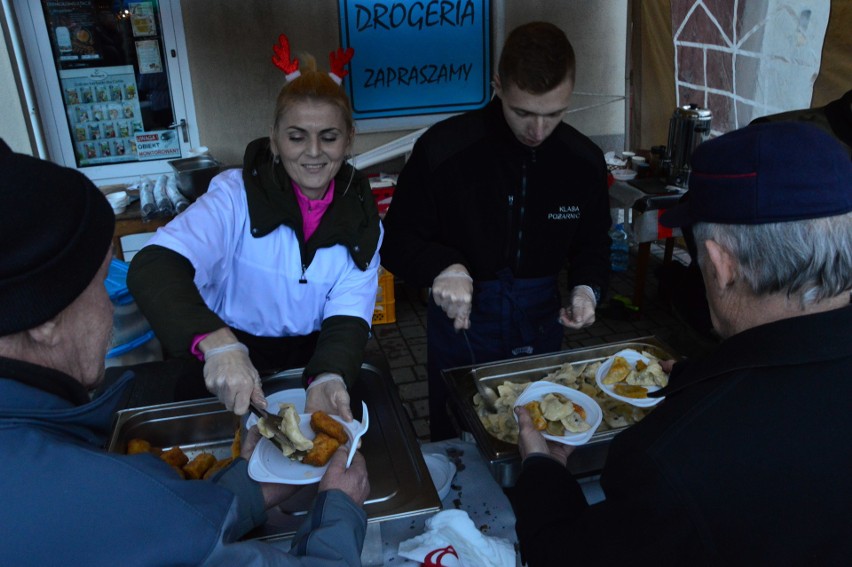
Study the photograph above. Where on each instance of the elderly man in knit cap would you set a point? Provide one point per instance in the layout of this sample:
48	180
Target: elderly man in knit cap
746	460
66	500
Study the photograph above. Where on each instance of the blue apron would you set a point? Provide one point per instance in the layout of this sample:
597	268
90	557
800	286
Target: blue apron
510	317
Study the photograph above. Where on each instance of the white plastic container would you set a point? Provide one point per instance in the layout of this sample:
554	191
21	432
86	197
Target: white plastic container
118	201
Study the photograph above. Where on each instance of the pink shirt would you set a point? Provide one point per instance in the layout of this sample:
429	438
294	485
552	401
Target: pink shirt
312	211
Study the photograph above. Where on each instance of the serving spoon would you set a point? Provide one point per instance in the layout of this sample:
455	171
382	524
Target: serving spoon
488	395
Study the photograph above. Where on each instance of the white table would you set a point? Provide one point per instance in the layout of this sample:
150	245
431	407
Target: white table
473	490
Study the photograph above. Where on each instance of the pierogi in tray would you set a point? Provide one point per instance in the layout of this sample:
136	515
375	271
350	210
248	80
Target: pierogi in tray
577	375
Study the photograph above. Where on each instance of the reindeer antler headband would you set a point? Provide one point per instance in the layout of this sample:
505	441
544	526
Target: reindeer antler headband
337	60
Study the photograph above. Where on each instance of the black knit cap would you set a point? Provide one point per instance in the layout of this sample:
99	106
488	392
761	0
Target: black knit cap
55	230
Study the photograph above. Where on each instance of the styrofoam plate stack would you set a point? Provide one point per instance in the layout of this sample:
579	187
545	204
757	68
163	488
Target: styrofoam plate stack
118	201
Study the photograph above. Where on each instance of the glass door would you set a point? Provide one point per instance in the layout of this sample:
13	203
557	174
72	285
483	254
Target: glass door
110	84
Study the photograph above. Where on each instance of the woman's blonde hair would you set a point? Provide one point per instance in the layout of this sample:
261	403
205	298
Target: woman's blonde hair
313	85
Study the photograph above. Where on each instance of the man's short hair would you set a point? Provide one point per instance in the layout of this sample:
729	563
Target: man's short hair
807	260
537	57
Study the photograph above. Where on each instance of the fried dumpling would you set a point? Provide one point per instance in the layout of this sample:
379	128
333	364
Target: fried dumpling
618	371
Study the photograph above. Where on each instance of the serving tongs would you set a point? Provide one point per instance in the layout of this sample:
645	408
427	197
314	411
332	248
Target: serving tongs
274	422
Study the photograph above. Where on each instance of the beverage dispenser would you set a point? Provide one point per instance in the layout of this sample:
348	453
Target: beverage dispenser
688	127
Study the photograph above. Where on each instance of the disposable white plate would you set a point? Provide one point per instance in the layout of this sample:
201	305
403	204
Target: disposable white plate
623	174
631	356
268	464
295	396
442	470
594	414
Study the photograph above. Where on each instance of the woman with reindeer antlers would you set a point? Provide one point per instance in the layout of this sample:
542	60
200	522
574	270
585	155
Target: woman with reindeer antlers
275	266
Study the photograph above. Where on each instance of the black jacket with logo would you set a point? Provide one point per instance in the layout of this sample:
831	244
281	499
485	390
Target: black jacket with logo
471	193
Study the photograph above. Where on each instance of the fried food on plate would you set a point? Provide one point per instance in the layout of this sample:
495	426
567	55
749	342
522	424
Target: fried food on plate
650	375
575	422
560	415
536	416
618	371
196	468
175	457
630	391
290	424
268	430
321	422
554	407
324	447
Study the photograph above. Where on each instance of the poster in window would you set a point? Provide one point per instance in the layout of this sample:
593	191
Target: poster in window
142	19
106	118
73	26
148	56
160	144
104	113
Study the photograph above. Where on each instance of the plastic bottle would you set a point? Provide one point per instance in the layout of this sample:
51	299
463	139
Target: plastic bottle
146	199
619	251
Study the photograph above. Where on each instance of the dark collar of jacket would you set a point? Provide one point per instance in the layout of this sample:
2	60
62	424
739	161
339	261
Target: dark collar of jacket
47	379
34	394
801	340
352	220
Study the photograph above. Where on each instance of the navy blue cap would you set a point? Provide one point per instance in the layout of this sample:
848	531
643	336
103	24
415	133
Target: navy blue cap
763	173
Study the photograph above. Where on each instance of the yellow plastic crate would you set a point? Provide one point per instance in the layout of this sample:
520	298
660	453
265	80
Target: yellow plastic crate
385	309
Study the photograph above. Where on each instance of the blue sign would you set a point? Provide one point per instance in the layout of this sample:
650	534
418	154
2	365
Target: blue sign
416	56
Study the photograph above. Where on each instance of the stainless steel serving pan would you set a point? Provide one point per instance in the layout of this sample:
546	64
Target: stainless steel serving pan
502	457
400	484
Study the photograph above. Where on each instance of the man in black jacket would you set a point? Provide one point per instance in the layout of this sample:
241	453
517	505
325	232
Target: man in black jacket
489	208
740	463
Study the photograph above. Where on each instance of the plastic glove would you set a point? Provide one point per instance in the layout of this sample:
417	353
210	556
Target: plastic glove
581	312
230	375
452	290
328	393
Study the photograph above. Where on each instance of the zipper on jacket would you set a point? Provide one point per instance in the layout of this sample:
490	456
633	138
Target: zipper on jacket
303	279
510	226
522	198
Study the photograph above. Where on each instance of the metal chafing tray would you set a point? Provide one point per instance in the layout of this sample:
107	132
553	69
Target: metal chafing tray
400	484
503	458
